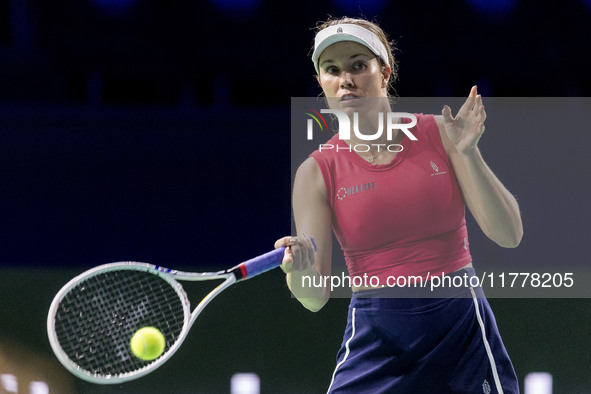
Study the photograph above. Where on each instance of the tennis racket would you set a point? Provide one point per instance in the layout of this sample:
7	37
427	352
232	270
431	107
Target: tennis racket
94	316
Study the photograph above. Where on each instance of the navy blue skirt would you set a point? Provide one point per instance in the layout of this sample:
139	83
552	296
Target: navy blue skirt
422	345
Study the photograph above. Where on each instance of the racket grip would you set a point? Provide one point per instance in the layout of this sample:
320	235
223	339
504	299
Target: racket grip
261	264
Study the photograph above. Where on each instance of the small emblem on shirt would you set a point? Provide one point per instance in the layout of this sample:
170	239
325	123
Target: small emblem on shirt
349	191
485	387
436	169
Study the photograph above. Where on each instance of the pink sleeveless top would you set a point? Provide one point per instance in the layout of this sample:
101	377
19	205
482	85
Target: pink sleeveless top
405	218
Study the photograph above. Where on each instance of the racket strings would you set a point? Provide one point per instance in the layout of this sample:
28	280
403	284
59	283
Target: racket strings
96	319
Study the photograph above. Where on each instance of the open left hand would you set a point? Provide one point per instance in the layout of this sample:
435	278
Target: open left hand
466	128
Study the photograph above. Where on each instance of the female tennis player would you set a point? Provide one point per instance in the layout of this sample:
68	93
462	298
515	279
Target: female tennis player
400	213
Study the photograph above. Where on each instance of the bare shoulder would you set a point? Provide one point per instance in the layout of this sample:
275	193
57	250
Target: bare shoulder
309	167
309	177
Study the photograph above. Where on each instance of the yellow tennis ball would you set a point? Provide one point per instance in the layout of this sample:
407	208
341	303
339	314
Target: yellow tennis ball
147	343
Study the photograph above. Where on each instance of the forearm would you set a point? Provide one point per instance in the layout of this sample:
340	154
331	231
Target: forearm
493	206
312	215
308	287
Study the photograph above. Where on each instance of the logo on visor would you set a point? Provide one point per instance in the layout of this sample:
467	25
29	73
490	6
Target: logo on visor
340	30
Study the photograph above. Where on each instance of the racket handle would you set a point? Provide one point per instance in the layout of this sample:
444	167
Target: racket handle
260	264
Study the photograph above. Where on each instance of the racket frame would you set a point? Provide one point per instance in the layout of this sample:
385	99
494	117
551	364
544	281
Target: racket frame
170	276
240	272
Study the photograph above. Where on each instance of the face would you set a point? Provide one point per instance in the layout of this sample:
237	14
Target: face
349	72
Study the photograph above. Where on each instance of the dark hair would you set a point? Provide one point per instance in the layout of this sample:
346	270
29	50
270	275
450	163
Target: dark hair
377	30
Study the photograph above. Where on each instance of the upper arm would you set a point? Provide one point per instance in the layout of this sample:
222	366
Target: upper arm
312	212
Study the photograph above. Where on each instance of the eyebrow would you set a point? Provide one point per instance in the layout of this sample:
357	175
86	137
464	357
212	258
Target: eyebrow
350	57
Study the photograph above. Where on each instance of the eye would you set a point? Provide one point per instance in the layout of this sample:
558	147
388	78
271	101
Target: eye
331	70
359	65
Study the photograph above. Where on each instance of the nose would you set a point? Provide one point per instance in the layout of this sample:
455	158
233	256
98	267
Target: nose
346	79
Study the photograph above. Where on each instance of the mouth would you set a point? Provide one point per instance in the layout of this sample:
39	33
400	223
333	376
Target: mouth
347	97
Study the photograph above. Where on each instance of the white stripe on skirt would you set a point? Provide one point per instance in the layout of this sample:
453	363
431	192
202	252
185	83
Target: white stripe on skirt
346	349
491	358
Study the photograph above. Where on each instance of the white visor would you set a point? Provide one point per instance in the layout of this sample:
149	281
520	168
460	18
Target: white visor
347	32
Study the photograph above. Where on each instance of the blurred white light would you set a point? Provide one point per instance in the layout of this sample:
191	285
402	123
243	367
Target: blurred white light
538	383
38	388
245	383
9	383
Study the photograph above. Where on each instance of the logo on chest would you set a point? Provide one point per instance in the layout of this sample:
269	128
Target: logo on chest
360	188
435	168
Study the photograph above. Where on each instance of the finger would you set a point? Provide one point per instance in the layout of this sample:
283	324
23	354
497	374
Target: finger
309	243
479	111
310	251
478	104
469	103
482	114
287	262
304	254
296	254
285	241
446	112
287	265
